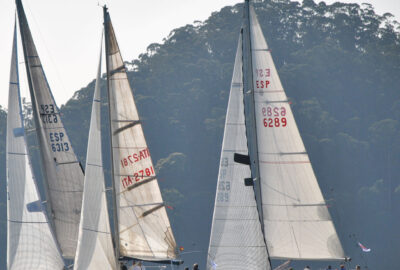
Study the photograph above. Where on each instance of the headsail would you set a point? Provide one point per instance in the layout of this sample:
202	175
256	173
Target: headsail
144	229
297	223
236	238
63	175
30	242
95	249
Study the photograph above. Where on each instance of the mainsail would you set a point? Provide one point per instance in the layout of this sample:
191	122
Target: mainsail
95	249
63	175
297	223
143	228
30	242
236	238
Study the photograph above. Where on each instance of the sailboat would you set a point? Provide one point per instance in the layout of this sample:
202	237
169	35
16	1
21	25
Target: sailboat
30	240
62	172
142	231
268	202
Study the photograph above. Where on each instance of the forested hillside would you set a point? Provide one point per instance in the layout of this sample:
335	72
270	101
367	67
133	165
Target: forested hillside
340	67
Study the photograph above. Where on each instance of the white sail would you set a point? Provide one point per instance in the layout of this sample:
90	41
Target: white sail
144	229
30	242
95	249
63	175
236	238
297	223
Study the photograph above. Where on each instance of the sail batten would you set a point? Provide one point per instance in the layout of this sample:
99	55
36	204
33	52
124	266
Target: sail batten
144	231
30	241
63	183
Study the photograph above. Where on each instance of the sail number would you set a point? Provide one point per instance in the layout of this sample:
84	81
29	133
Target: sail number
135	157
261	73
137	176
224	187
48	114
274	116
57	142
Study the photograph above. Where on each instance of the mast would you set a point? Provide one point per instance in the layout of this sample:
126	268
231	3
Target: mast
114	196
250	115
249	103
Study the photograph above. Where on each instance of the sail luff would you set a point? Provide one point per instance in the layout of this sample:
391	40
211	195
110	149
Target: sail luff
297	223
144	229
62	173
236	240
22	20
95	248
251	125
30	241
250	112
114	191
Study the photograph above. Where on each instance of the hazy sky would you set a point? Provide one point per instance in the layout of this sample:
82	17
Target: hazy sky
67	34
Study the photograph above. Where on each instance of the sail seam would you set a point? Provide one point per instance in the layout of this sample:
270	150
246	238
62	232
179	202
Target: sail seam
261	50
238	246
294	221
91	230
129	147
18	154
268	91
235	124
285	162
273	101
94	165
236	219
27	222
236	206
282	153
68	191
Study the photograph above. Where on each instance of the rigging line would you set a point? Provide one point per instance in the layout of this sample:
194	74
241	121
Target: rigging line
47	49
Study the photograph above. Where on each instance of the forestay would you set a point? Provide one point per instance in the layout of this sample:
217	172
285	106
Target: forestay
30	242
144	228
95	249
297	223
236	238
63	175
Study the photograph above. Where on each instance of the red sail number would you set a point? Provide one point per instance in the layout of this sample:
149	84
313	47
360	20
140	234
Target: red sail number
274	116
137	176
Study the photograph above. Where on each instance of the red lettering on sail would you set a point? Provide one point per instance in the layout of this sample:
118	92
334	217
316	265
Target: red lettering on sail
135	157
263	72
275	116
262	84
137	176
